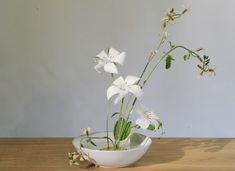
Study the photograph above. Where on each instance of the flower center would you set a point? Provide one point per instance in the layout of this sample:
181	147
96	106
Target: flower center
123	87
107	60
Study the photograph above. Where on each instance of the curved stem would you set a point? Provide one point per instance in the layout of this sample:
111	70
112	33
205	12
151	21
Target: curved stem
165	55
156	65
150	58
97	138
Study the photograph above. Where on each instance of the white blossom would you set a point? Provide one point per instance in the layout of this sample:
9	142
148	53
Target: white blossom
123	87
146	117
109	60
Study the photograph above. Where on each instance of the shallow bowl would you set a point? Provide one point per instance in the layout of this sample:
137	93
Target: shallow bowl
135	147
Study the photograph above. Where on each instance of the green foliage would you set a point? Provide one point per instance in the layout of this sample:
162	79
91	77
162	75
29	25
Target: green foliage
187	57
159	124
200	67
171	44
89	140
204	67
122	129
198	49
206	60
169	59
151	127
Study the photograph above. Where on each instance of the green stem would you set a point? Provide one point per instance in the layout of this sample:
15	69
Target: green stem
153	54
121	108
141	76
107	124
83	138
150	58
156	65
165	55
128	102
107	117
117	142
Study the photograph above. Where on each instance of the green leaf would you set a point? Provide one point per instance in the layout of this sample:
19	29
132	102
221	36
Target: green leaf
159	124
126	131
114	114
171	45
151	127
205	57
122	129
117	127
92	142
200	67
187	57
199	49
207	62
169	59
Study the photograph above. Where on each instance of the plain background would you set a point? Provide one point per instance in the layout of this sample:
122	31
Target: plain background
48	86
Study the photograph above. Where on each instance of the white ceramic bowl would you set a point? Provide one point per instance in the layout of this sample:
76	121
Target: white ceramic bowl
136	148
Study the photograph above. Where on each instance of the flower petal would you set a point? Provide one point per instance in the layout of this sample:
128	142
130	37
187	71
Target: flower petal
112	90
119	81
152	116
136	90
102	55
130	80
143	122
111	68
120	96
120	58
113	52
99	65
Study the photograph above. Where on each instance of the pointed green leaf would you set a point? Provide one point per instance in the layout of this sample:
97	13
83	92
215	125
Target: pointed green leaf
126	131
200	67
159	124
151	127
205	57
117	127
171	45
122	129
92	142
199	49
169	59
187	57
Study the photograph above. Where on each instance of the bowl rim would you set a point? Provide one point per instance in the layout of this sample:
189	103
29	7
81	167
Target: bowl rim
138	147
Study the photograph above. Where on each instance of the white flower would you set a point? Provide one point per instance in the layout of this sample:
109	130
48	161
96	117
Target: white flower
147	117
123	87
109	60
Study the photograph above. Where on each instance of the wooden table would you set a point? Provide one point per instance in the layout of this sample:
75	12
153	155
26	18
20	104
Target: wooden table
167	154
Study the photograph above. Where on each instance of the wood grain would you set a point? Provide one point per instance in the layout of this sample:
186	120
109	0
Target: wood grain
166	154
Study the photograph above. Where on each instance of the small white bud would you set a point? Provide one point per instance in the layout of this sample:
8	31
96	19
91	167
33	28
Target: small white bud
87	131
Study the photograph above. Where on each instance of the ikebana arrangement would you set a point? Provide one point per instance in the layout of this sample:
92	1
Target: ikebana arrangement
123	145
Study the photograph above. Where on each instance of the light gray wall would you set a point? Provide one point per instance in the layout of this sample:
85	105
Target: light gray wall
48	86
